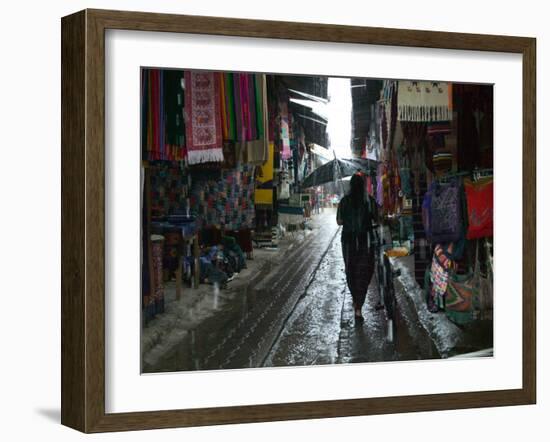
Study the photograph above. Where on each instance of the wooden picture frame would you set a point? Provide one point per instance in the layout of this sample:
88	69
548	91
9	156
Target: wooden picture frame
83	219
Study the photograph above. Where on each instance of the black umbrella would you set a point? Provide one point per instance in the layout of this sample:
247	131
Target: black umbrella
337	169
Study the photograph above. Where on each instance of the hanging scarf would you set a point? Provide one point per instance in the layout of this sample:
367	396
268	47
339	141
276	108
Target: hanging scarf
173	142
424	101
229	96
284	135
204	132
257	149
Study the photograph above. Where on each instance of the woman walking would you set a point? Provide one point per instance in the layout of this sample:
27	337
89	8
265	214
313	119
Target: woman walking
356	215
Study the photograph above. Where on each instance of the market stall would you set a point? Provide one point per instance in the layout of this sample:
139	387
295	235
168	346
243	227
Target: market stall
434	188
220	152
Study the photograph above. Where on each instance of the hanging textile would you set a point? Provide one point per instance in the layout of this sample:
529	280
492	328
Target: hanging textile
151	112
263	196
391	112
426	212
252	126
224	198
284	128
439	275
424	101
245	106
459	298
244	115
241	106
174	128
257	149
230	124
479	200
470	296
224	106
163	127
446	223
202	106
404	170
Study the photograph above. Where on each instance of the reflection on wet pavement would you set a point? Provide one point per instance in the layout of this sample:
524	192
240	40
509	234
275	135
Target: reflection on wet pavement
322	328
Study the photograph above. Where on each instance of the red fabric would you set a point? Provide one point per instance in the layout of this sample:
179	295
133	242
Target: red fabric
203	125
479	198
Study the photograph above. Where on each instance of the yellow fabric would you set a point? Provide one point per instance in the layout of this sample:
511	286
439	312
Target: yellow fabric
265	196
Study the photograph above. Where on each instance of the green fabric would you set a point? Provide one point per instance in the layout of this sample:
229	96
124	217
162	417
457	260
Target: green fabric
229	91
173	107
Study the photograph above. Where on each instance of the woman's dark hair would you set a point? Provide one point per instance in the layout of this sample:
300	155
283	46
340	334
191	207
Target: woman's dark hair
357	190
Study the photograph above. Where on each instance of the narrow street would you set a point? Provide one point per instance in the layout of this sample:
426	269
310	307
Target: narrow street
322	329
294	310
301	313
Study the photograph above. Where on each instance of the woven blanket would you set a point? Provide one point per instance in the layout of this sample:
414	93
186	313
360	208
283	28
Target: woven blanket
424	101
202	106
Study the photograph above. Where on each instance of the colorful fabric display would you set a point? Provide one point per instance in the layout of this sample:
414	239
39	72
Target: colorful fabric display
243	102
439	274
479	201
446	223
224	198
228	107
203	124
173	100
163	127
470	296
257	149
169	189
424	101
284	131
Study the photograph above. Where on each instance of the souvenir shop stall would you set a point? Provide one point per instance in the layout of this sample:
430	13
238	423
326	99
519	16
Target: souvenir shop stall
203	136
219	150
294	127
434	187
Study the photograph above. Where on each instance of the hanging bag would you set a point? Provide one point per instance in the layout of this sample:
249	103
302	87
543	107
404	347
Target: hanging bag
446	222
479	200
470	297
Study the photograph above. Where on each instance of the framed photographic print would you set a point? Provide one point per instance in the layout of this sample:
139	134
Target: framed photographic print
270	220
